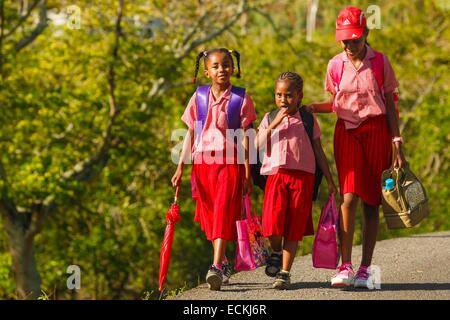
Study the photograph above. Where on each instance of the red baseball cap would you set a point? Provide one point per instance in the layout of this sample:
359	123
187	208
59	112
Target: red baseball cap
350	24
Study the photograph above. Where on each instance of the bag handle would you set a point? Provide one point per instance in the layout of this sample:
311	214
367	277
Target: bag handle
394	155
331	202
334	208
247	206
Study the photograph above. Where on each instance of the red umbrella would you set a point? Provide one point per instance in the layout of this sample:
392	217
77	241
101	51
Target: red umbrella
172	217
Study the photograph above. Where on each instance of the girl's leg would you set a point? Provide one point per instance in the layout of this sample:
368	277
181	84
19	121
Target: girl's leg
347	225
220	246
224	257
345	276
370	232
214	277
274	262
289	250
276	243
283	278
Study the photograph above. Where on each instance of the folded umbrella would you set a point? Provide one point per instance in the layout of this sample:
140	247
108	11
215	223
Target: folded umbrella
172	217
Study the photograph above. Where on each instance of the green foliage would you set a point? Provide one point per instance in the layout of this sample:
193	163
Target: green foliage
54	98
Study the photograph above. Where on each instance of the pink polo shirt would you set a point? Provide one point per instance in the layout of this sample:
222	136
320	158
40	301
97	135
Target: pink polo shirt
291	147
359	96
213	137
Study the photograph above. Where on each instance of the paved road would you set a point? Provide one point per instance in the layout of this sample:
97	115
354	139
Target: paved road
415	267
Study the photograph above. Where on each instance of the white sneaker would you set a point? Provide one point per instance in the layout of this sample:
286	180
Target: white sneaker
344	277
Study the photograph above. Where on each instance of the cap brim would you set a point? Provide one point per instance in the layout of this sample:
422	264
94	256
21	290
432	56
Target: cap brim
348	34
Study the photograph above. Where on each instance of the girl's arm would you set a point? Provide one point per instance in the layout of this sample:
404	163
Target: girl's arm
320	107
187	147
323	164
392	120
248	175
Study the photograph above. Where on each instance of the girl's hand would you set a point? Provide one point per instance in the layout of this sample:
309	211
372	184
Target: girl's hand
282	113
310	108
332	187
247	186
399	160
176	179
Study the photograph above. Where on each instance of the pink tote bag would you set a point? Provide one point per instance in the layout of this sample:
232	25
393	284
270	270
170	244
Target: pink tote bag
325	252
251	250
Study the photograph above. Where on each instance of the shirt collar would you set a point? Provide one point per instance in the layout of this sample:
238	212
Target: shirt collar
296	115
370	54
226	95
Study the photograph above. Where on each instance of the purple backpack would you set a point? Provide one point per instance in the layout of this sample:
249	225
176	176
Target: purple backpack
233	113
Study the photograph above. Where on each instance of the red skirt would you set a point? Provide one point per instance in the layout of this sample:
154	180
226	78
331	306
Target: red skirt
287	204
219	190
361	156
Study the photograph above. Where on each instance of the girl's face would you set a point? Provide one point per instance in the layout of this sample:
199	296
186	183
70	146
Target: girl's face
354	48
219	67
287	95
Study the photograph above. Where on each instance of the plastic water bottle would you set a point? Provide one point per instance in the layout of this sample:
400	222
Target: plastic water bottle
389	184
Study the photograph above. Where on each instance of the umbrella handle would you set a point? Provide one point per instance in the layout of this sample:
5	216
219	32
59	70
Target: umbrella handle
176	194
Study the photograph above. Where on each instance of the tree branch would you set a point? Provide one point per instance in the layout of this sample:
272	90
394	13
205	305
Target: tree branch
2	28
188	47
22	19
276	30
91	167
160	86
42	24
410	114
197	26
7	207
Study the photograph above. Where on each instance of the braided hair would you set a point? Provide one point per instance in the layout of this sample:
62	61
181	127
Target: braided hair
295	78
205	55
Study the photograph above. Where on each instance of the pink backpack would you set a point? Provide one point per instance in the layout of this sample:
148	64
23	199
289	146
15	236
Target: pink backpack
337	68
325	253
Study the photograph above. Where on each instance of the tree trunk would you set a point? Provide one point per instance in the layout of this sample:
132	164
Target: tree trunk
313	5
28	282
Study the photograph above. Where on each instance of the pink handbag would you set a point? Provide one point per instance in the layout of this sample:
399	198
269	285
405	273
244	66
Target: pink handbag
325	253
251	250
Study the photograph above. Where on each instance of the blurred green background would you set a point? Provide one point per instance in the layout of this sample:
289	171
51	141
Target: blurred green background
90	95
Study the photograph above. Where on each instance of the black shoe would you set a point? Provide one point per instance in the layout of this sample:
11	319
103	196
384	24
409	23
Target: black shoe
214	278
282	281
226	270
273	265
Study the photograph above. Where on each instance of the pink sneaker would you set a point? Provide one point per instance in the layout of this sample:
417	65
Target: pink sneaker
362	278
344	277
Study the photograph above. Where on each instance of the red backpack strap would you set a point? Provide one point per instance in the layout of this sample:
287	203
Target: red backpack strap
378	69
337	68
378	72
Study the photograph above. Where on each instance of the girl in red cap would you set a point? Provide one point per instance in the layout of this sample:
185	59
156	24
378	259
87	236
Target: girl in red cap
220	180
363	85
